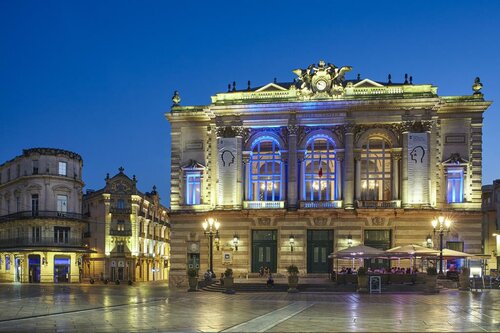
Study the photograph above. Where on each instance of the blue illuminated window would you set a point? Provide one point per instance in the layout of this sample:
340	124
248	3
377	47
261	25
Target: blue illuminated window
455	185
193	188
265	171
319	176
376	170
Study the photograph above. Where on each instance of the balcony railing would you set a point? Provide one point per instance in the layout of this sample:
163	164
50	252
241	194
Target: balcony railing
40	214
378	204
43	241
321	204
263	204
120	232
116	210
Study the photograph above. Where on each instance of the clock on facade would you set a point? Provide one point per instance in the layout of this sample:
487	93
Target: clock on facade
321	85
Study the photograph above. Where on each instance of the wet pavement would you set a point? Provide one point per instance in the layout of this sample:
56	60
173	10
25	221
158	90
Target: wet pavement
156	308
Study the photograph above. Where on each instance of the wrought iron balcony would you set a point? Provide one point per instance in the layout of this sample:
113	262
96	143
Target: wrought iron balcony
120	232
263	204
321	204
42	241
378	204
40	214
116	210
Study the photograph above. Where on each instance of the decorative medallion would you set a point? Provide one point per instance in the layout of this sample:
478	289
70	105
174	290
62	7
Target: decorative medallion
322	79
320	221
378	221
264	220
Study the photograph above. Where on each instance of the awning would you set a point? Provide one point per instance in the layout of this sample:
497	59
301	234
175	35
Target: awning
360	251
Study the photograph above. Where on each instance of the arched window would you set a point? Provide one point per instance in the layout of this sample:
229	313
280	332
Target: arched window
319	181
265	171
376	170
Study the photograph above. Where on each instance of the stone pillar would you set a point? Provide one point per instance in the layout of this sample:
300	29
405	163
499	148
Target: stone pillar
300	174
357	161
284	177
396	156
404	171
246	175
349	167
338	174
292	189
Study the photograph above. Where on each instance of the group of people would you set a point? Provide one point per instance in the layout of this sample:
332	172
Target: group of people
393	270
266	271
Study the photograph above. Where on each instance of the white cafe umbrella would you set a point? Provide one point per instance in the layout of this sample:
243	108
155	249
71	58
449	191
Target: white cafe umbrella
360	251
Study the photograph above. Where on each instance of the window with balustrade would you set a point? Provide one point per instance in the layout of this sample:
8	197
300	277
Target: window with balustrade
319	170
265	178
376	170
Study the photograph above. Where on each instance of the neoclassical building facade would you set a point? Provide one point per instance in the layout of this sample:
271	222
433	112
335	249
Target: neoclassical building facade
295	171
129	232
41	225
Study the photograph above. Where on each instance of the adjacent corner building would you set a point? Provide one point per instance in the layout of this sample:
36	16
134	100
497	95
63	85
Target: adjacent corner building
129	232
41	225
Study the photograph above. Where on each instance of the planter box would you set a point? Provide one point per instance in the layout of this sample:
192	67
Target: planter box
293	282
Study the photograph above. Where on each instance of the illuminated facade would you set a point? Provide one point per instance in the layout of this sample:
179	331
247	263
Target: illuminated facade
41	224
491	222
128	230
323	159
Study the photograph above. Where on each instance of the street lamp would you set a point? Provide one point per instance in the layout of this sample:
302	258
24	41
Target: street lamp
236	241
292	242
211	229
441	225
429	240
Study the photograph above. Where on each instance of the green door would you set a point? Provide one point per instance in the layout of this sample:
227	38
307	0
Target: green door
264	249
319	247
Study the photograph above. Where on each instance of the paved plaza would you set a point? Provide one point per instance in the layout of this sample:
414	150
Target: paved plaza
156	308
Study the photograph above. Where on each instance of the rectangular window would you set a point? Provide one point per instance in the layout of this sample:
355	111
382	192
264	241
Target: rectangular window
18	169
455	246
61	235
120	203
7	263
18	204
455	185
120	225
63	166
8	174
62	204
34	204
193	188
7	202
36	233
35	167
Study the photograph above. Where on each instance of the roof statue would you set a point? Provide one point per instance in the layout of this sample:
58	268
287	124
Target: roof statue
176	99
322	79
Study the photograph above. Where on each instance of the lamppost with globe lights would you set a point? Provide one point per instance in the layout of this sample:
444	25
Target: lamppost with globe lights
441	225
211	229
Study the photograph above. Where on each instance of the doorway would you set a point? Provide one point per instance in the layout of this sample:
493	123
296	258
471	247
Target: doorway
319	247
34	268
62	267
264	250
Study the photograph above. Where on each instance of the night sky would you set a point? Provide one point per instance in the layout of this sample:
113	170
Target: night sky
96	77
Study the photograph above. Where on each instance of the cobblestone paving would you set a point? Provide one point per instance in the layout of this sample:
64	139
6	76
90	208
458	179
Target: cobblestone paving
155	308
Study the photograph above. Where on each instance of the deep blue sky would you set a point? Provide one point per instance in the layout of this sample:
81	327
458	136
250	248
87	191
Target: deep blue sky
96	77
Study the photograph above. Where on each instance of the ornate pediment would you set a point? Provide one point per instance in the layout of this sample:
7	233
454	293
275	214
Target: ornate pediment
455	158
322	80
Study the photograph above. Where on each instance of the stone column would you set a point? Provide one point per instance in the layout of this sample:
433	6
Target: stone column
349	167
284	176
292	189
396	156
404	170
300	174
246	173
357	159
338	174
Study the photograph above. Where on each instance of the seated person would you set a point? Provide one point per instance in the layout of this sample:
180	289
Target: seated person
270	280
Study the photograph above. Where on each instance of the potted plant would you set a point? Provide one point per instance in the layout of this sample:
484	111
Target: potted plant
293	278
362	280
431	280
229	281
193	279
463	279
